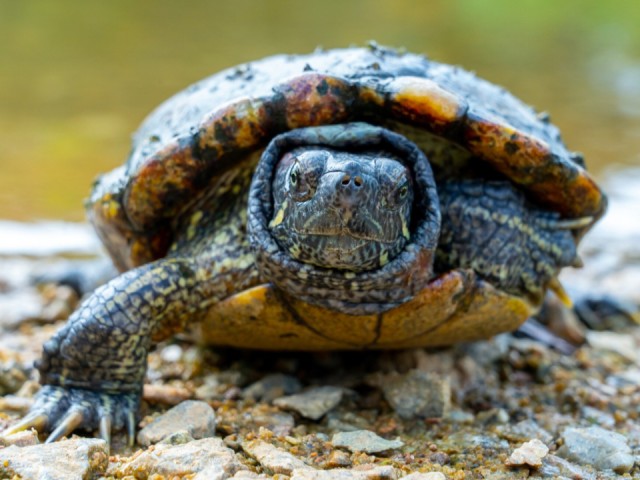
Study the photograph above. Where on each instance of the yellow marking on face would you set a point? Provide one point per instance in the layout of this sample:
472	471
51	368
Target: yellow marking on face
277	220
384	257
405	230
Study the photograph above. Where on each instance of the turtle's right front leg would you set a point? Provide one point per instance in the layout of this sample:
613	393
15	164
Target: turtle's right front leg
93	368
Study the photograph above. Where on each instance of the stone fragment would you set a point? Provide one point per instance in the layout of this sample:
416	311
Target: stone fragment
20	439
364	441
313	403
271	387
64	460
203	459
273	458
555	467
194	416
530	453
280	423
338	458
417	394
597	447
177	438
525	429
425	476
165	394
248	475
362	472
620	343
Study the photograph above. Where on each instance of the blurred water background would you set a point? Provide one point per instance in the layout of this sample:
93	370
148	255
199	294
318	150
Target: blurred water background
78	76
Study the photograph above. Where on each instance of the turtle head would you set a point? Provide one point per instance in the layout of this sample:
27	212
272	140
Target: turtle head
339	209
344	216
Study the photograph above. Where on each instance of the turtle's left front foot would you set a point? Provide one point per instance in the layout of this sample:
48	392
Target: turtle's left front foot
63	410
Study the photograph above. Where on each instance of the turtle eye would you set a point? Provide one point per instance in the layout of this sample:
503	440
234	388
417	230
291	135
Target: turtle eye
294	175
300	183
398	196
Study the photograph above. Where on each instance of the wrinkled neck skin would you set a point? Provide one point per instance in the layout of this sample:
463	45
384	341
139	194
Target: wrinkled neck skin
345	217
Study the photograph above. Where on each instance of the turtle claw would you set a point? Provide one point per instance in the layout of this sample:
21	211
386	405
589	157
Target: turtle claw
71	421
131	429
63	410
39	422
105	428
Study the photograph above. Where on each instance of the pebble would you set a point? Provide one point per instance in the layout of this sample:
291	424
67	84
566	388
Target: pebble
165	394
525	429
338	458
417	394
64	460
620	343
280	423
595	416
597	447
313	403
201	459
273	458
194	416
555	467
20	439
271	387
364	441
425	476
177	438
362	472
530	453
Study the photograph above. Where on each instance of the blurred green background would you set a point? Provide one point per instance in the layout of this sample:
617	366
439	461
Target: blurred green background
77	77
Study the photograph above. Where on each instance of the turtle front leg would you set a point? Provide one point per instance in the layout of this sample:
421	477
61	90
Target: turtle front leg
93	368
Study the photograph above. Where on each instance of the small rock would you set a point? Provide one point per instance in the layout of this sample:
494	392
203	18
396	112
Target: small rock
271	387
194	416
530	453
273	458
460	416
597	447
280	423
247	475
495	416
620	343
525	429
556	467
165	394
467	440
417	394
338	458
362	472
313	403
595	416
177	438
64	460
425	476
206	459
20	439
364	441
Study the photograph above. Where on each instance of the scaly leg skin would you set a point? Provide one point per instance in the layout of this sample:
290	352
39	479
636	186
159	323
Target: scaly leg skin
491	228
93	368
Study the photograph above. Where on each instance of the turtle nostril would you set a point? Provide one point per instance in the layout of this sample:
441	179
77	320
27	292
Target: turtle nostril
346	179
358	181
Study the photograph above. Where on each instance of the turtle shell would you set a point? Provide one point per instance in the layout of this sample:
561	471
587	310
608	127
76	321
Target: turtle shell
456	117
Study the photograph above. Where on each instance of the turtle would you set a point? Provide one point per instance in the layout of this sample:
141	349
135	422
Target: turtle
356	198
